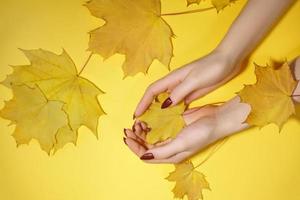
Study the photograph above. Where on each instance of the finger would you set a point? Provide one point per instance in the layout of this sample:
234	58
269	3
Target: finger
214	74
205	90
135	147
144	126
140	135
199	93
177	158
161	85
139	132
179	93
167	150
130	134
137	127
153	90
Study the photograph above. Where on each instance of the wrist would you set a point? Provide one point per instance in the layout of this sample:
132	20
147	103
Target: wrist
232	61
231	117
232	54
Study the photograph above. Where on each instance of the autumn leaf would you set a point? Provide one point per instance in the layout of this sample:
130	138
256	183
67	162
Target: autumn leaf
189	182
270	97
165	123
34	116
134	28
58	79
218	4
221	4
64	136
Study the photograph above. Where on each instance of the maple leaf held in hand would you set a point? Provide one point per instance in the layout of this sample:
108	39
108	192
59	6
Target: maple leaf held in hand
271	97
58	79
165	123
189	182
34	116
134	28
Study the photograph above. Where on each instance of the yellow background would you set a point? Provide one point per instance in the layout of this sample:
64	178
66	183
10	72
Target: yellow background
255	164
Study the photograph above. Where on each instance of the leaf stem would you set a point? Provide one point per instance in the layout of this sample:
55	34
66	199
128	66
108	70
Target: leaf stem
189	11
214	150
86	62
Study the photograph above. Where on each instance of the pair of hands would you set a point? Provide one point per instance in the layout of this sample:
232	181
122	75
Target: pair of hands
203	76
204	125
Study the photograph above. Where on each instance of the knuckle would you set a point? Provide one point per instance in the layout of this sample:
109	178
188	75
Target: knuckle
150	88
190	83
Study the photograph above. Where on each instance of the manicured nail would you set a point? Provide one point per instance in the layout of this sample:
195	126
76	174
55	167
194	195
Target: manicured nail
125	131
124	139
147	156
166	103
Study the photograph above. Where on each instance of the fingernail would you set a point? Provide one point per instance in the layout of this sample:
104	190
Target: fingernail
125	131
124	139
147	156
166	103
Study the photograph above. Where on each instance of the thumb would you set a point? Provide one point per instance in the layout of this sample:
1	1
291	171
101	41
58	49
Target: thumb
164	151
179	93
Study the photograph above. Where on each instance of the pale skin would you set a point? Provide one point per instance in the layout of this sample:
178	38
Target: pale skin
210	123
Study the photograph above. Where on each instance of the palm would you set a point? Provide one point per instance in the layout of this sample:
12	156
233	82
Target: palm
187	141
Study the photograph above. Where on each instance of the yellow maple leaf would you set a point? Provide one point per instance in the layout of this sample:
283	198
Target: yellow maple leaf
189	182
221	4
57	77
64	136
134	28
35	116
218	4
270	97
165	123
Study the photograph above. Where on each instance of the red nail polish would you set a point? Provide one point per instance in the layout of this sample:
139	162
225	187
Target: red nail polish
125	131
124	139
147	156
166	103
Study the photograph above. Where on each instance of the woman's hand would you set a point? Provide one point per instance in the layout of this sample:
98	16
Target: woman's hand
206	74
205	125
192	80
